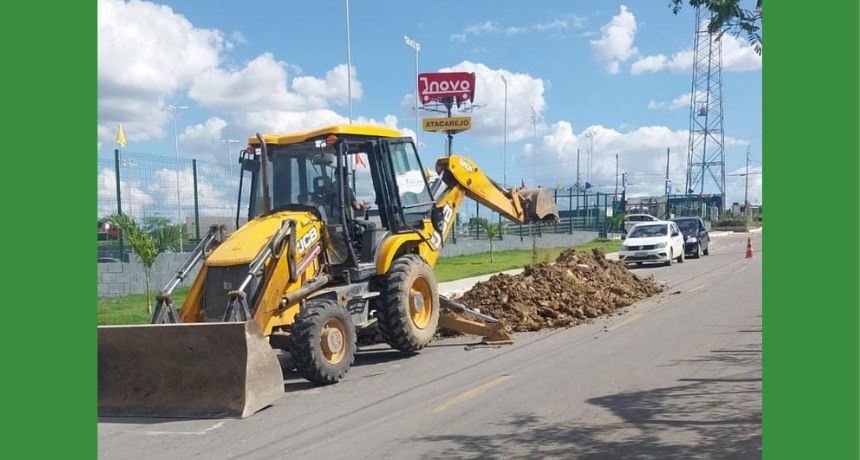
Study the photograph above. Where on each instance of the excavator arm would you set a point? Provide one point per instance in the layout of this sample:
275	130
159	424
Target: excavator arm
461	178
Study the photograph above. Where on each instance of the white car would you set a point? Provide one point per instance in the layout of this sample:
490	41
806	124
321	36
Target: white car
633	219
653	242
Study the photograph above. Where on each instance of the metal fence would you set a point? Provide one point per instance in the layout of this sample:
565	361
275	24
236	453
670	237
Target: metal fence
591	212
201	193
192	192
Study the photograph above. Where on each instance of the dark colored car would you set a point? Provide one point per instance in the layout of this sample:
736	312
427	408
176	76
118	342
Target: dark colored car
697	241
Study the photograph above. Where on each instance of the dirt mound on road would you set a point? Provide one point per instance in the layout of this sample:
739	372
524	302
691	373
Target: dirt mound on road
578	286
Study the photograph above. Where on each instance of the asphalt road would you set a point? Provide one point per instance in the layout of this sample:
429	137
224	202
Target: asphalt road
676	376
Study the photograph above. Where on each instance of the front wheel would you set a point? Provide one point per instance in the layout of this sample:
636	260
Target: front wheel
323	341
682	257
698	253
671	257
409	305
707	249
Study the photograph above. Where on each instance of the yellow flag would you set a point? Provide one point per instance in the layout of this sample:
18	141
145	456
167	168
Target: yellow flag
120	136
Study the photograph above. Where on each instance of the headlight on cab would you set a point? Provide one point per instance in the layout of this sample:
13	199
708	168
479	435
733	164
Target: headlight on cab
692	239
660	245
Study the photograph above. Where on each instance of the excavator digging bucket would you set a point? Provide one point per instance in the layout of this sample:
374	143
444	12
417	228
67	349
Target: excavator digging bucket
189	370
538	205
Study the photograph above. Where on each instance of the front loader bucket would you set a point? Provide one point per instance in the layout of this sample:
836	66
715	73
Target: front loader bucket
538	205
189	370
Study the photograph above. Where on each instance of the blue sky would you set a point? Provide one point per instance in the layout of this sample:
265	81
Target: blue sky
588	66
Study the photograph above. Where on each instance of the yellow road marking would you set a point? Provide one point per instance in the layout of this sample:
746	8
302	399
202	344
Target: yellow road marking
469	394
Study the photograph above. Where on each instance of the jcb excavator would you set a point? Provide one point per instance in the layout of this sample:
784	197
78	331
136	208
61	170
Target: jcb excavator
310	268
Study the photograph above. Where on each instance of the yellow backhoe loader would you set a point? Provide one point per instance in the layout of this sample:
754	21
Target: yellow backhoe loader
313	265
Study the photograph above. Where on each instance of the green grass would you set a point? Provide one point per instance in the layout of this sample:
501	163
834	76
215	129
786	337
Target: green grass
132	309
454	268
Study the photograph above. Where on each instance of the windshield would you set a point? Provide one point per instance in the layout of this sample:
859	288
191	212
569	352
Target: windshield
415	199
640	218
647	231
688	225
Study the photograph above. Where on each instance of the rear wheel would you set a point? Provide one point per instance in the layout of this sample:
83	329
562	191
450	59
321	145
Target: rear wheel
409	310
323	341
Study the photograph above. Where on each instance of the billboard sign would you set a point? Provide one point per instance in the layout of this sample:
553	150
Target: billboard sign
457	85
447	124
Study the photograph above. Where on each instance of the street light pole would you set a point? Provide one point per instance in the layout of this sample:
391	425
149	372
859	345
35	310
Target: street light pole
589	135
228	142
505	174
348	63
417	47
175	110
534	148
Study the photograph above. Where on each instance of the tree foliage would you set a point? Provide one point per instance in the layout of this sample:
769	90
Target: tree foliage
729	16
148	240
492	230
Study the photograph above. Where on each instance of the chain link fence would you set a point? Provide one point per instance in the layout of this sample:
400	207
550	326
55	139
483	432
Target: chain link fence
190	192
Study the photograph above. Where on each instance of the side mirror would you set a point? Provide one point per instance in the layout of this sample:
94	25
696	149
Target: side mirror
623	236
675	234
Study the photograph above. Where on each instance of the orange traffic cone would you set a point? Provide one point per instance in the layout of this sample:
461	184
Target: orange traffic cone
749	249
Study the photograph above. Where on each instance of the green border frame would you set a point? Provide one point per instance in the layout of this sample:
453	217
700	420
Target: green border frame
810	272
49	334
810	312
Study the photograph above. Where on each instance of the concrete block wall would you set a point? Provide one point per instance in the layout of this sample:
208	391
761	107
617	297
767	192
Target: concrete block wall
547	240
119	279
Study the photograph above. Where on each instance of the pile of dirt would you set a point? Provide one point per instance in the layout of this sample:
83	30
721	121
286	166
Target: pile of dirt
577	287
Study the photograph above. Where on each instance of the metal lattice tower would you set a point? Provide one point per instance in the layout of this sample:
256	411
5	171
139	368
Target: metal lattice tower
706	159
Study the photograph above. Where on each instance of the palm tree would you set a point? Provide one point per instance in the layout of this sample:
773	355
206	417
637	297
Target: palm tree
492	231
156	235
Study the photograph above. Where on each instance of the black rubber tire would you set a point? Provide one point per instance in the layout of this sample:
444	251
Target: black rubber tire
393	318
306	348
707	249
682	257
698	253
669	262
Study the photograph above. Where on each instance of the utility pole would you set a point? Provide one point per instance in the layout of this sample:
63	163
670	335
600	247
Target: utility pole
666	185
747	186
616	176
505	173
578	187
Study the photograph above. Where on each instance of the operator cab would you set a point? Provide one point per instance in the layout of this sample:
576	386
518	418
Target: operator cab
364	182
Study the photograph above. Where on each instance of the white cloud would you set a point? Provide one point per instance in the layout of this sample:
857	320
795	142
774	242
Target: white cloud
524	92
490	27
146	54
615	44
204	139
680	102
738	56
334	87
735	185
134	199
641	153
263	82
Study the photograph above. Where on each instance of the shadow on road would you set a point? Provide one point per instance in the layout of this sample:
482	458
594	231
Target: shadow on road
696	418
